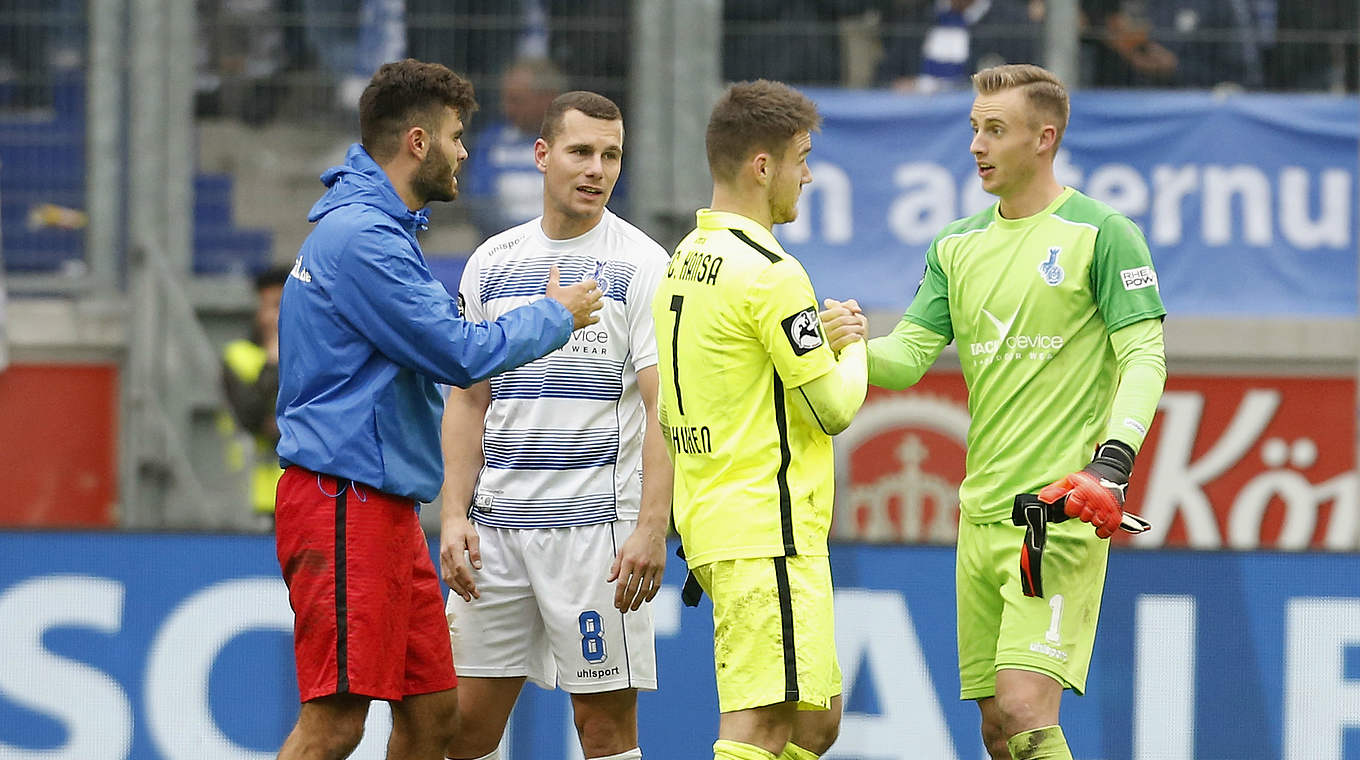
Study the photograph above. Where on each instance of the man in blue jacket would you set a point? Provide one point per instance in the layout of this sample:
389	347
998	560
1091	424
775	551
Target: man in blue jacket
365	333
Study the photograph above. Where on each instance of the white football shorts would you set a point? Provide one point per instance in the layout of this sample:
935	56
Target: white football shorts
547	612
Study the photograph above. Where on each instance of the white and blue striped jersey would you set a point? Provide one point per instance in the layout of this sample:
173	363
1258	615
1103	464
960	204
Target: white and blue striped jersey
563	434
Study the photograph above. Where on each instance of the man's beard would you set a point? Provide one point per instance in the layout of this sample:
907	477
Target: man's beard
433	180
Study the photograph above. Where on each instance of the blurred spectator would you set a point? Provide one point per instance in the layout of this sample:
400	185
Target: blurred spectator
937	45
476	38
350	39
250	376
503	185
589	40
244	48
795	41
1121	51
38	38
1174	43
1310	46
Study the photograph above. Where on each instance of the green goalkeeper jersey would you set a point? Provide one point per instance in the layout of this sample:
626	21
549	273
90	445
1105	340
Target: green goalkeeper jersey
1031	304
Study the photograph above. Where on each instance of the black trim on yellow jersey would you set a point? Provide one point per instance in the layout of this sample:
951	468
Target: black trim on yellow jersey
766	252
781	582
781	423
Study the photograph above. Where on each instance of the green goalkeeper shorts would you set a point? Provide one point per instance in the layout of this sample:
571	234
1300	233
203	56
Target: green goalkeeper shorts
999	627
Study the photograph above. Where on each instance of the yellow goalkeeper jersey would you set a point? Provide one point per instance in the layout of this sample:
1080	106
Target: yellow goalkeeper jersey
737	333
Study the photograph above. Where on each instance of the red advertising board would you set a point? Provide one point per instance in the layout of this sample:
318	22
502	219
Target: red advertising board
57	445
1230	462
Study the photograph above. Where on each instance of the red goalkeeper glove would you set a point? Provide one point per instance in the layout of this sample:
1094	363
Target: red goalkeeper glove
1096	493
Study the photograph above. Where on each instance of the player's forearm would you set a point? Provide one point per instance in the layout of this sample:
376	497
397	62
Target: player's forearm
658	475
837	395
464	418
900	359
1141	356
658	479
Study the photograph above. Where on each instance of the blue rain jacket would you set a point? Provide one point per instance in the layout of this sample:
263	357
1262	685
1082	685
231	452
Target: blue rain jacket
366	332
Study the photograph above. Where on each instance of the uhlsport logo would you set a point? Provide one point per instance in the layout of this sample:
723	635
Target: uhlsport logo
803	330
1052	273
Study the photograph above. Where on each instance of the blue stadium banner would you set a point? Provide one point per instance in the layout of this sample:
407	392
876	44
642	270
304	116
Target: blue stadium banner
177	647
1248	201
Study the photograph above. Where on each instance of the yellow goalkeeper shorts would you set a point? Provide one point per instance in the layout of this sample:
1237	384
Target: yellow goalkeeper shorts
774	634
1000	627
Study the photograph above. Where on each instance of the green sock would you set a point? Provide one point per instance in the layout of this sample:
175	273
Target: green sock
1047	743
726	749
794	752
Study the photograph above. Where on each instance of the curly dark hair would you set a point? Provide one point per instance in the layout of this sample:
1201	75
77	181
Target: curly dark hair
407	94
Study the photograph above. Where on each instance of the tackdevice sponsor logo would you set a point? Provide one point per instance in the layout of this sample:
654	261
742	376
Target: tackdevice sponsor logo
1141	277
1007	347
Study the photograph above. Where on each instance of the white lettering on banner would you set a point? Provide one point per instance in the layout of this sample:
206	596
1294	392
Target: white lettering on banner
1164	678
90	705
876	628
1238	204
926	206
1320	704
1176	482
181	659
1333	226
1121	186
832	187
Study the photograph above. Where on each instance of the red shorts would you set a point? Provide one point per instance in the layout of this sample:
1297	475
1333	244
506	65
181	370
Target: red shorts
368	610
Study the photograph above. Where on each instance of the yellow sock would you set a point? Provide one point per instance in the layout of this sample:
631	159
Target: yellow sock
1047	743
794	752
726	749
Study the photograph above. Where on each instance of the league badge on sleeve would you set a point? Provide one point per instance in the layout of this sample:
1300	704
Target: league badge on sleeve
803	331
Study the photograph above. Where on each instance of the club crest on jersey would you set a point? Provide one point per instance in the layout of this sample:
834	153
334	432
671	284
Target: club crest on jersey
600	277
1049	268
803	331
462	306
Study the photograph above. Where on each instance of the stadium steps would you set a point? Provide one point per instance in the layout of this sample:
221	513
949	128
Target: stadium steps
42	161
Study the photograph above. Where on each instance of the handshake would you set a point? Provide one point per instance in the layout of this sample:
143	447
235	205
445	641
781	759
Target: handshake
844	323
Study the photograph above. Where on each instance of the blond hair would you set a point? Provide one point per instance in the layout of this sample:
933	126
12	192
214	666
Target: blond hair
1044	91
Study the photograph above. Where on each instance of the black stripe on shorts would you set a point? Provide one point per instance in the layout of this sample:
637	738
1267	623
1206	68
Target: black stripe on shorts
341	624
781	581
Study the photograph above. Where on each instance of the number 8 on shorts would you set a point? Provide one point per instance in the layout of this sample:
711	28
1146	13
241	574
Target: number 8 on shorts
592	636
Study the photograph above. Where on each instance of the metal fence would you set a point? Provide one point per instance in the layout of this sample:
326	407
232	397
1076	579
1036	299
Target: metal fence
198	130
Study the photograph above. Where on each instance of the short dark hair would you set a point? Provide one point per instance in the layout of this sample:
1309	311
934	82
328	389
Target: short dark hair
755	116
592	104
407	94
273	277
1044	91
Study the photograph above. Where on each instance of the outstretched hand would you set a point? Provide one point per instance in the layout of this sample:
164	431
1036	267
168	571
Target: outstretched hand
583	299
